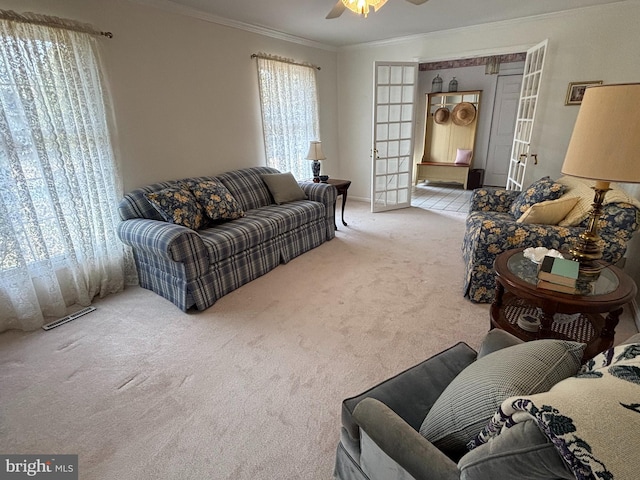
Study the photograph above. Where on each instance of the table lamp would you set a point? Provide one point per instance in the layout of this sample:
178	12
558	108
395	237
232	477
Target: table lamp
315	154
605	147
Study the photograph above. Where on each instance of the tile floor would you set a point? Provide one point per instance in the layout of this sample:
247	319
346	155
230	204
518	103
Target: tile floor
441	196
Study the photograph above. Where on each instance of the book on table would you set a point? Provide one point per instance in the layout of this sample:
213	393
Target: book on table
556	287
560	271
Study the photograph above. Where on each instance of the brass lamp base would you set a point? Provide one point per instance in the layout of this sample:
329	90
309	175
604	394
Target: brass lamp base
588	248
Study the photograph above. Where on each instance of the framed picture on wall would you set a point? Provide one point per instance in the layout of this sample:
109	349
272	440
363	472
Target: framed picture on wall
576	90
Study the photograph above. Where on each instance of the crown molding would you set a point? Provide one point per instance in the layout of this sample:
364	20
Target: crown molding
171	7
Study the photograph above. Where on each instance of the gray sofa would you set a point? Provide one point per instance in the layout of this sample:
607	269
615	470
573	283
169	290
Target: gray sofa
384	432
194	268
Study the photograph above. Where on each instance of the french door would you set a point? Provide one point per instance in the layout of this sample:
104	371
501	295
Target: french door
521	148
395	86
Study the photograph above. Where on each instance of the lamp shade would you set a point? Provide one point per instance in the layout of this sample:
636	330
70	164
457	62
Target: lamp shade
315	151
605	144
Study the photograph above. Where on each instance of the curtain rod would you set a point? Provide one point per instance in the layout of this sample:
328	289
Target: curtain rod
54	22
284	60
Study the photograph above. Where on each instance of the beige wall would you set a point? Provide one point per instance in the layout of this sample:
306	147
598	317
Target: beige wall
185	91
597	43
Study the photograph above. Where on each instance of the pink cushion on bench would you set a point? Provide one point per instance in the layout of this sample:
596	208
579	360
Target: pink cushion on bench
463	157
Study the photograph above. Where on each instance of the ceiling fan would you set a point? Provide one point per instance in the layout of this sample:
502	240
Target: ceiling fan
361	7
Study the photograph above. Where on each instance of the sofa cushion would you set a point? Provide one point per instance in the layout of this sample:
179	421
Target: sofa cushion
215	198
294	214
229	238
258	226
522	451
283	187
472	398
550	212
135	204
247	187
177	205
539	191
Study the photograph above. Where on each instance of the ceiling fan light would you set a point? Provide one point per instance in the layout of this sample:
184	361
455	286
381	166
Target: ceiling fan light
361	7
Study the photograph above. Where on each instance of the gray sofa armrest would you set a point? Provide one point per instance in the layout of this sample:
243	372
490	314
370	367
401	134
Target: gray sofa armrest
492	199
402	443
412	393
168	241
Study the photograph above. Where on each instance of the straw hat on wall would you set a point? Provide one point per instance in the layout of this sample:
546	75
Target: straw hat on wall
441	115
463	114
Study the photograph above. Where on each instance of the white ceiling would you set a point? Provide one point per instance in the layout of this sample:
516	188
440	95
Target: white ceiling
305	19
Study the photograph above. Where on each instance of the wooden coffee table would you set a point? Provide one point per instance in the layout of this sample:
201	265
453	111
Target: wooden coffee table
590	316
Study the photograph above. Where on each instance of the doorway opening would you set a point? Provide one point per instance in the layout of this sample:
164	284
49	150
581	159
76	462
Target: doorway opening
497	76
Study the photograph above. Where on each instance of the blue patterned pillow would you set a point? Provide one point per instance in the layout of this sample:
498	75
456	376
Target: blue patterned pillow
216	199
540	191
177	205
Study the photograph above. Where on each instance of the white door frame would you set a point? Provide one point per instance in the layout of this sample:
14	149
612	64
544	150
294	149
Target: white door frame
521	149
394	106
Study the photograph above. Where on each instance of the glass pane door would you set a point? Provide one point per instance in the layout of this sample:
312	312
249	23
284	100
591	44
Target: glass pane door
393	135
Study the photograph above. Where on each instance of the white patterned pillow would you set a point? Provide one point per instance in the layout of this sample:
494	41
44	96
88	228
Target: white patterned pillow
581	188
472	398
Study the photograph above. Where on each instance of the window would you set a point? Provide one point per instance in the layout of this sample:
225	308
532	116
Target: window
289	101
59	187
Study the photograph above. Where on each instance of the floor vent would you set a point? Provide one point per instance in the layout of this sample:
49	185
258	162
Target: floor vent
68	318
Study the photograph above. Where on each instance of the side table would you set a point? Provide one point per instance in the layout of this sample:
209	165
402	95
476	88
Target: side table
517	294
342	186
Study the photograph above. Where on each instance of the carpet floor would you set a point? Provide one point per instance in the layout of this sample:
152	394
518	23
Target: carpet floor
250	388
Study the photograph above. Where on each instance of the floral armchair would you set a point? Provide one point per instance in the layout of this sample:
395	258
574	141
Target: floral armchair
494	224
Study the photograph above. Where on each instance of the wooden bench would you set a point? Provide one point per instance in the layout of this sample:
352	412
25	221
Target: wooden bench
442	172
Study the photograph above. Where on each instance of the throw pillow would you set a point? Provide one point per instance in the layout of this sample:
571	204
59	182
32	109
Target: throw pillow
177	205
539	191
550	212
216	199
283	187
471	399
463	157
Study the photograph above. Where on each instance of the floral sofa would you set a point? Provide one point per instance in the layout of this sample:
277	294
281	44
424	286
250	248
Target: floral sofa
548	214
195	240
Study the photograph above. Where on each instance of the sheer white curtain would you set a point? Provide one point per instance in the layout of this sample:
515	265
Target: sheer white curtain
59	187
289	99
